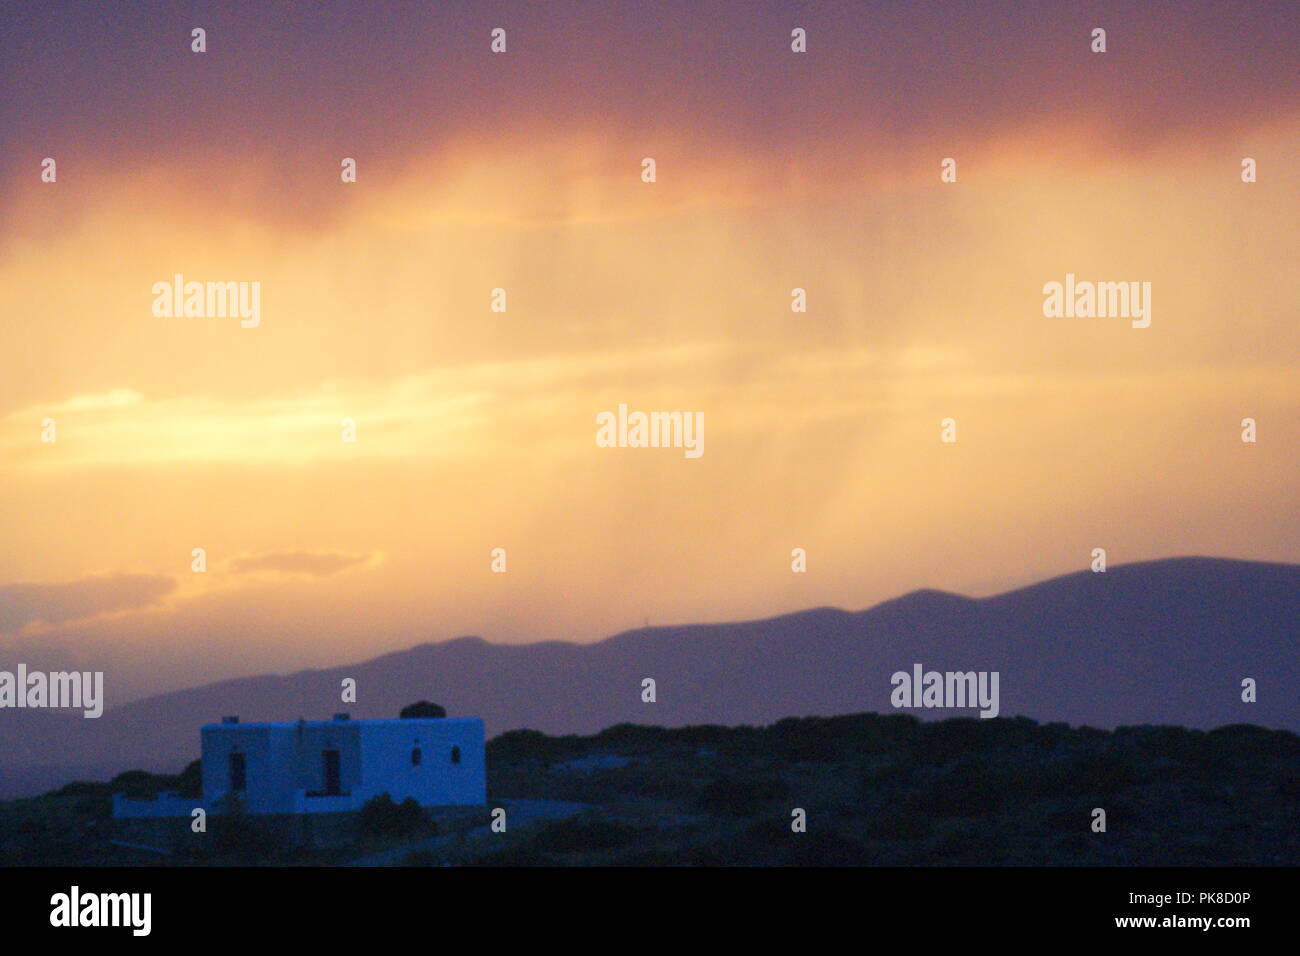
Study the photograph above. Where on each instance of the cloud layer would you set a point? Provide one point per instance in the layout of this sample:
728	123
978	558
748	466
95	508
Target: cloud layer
23	604
475	428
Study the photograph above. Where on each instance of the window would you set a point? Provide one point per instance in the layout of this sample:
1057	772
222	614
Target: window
332	781
455	755
415	757
238	771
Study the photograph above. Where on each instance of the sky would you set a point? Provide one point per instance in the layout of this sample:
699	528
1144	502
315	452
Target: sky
475	429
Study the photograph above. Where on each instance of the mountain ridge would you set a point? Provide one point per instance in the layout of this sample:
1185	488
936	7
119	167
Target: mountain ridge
1165	641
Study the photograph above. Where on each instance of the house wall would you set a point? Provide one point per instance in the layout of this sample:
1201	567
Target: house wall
268	765
435	781
309	741
284	764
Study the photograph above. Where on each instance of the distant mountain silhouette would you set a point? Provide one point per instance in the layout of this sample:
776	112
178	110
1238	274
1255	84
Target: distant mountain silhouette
1161	642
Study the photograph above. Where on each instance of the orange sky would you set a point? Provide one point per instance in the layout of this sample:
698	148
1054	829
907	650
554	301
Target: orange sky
475	428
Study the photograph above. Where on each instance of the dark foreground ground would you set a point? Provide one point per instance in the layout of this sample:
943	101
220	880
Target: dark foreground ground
876	790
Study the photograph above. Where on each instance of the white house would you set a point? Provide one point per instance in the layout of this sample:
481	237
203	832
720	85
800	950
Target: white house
330	766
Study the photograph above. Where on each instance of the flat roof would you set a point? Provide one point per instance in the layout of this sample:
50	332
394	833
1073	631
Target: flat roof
350	722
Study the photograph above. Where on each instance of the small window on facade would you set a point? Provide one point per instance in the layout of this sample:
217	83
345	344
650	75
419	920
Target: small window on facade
238	773
415	757
455	755
332	772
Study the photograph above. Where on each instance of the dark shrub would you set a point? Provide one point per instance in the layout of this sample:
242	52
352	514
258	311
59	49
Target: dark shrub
902	819
827	849
380	816
1249	739
950	740
81	788
967	789
583	836
1106	772
647	858
98	807
810	739
647	784
137	784
888	774
189	782
235	832
727	795
521	855
533	744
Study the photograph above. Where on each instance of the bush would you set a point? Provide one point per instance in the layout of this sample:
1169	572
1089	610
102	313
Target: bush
235	832
137	784
583	836
81	788
519	855
903	819
727	795
523	744
946	741
968	788
1107	772
828	849
382	817
189	782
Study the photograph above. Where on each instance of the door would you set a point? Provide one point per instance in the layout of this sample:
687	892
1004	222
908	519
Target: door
237	772
331	772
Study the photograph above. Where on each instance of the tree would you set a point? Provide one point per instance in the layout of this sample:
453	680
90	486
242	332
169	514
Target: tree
423	709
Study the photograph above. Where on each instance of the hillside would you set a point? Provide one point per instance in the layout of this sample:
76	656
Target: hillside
1165	642
877	790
